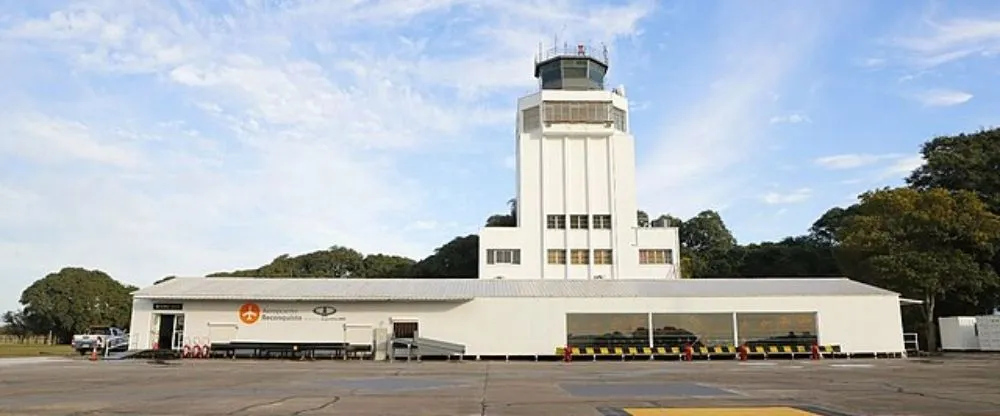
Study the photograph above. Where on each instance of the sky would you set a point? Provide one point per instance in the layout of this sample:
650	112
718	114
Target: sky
148	138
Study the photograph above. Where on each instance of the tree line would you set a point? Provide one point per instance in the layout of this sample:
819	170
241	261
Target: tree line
934	239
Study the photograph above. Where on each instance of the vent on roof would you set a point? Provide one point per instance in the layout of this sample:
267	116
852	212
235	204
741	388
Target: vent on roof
498	277
598	277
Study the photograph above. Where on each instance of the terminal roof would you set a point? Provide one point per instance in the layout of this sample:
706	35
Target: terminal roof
230	288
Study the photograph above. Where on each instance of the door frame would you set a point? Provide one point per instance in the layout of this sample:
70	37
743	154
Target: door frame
174	345
403	320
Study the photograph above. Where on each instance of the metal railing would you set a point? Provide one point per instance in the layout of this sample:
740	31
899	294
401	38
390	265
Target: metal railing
598	53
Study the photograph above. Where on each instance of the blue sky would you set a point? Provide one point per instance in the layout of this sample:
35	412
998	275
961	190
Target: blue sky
149	138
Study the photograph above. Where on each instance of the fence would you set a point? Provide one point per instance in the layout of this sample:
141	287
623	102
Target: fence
33	339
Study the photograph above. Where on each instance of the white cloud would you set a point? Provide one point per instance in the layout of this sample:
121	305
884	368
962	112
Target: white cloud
303	125
759	51
950	40
795	118
851	161
796	196
942	97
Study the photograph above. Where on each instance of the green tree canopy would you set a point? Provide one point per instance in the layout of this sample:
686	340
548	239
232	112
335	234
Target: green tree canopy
925	244
73	299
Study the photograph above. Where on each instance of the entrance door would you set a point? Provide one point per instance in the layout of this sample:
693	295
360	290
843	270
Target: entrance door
407	329
178	340
166	333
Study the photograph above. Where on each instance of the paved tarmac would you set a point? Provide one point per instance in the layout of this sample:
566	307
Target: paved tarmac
967	385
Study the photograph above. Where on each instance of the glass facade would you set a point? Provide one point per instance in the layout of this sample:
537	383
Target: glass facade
607	329
572	74
698	329
777	328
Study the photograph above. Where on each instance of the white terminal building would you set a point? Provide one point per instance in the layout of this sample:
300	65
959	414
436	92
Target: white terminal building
575	270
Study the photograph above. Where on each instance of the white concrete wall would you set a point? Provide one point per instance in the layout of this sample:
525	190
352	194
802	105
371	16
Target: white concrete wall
576	169
533	325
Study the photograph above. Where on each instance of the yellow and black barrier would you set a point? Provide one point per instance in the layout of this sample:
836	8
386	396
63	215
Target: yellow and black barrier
705	352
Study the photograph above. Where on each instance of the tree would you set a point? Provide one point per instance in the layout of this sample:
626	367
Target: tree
927	244
505	220
801	256
15	324
459	258
963	162
706	232
73	299
824	230
378	266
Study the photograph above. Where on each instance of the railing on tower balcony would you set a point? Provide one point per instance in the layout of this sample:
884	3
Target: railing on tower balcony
598	53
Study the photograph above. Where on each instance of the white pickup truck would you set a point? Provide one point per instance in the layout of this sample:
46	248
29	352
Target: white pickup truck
99	337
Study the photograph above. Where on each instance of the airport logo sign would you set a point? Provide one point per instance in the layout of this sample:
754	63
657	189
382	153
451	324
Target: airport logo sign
324	311
250	313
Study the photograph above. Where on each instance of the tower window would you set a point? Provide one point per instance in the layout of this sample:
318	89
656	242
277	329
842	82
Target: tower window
579	256
555	222
602	256
618	118
503	256
656	256
576	112
578	221
556	256
531	119
602	222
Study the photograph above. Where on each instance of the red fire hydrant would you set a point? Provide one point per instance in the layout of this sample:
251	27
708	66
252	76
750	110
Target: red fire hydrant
815	351
688	352
567	354
743	352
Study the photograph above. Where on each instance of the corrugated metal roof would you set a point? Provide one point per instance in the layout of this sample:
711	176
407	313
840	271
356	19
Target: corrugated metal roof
466	289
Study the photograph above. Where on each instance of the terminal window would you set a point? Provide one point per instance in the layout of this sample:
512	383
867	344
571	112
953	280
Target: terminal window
602	256
503	256
556	222
557	256
656	256
602	222
580	256
578	221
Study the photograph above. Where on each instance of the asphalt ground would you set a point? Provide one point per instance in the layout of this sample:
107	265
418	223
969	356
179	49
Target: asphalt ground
963	385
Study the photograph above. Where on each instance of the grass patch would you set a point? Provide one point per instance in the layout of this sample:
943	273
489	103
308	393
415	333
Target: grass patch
34	350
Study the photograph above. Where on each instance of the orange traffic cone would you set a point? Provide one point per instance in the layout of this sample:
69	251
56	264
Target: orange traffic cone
93	354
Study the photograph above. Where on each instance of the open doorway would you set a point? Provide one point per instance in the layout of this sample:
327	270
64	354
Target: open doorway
405	329
170	334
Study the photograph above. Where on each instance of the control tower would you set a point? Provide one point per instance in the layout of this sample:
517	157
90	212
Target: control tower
576	193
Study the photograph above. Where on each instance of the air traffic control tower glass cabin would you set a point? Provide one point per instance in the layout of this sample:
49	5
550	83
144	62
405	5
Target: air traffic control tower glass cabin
576	189
572	72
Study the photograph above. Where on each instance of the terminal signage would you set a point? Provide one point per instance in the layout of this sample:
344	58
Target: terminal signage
325	310
251	313
168	306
